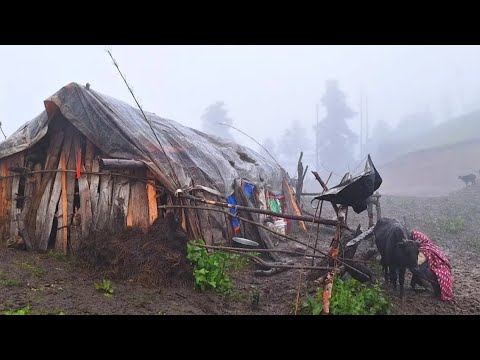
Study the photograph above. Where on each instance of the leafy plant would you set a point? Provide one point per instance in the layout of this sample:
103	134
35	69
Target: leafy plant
33	269
453	225
211	270
349	298
106	286
24	311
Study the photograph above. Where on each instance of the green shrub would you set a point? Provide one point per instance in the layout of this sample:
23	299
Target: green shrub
349	298
211	270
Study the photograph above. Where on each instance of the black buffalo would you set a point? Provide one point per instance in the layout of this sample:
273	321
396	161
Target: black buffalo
397	252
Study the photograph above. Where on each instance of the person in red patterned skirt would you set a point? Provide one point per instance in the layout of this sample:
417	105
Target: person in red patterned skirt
433	261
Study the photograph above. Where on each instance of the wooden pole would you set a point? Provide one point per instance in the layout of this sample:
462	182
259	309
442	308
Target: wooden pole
120	164
266	212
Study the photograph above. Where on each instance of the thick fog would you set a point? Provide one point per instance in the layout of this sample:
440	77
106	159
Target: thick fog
269	92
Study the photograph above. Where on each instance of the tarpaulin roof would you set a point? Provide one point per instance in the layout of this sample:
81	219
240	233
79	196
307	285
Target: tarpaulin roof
121	131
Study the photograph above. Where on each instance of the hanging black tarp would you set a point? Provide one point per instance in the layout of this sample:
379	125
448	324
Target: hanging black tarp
355	191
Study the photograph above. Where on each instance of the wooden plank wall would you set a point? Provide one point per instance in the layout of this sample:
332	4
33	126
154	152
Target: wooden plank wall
76	206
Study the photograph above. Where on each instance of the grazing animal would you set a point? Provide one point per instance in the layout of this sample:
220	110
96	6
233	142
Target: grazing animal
470	178
397	253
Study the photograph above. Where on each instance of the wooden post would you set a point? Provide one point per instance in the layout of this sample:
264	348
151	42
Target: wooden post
292	206
300	178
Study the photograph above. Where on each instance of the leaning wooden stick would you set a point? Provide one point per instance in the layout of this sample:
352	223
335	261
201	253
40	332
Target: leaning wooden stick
266	212
324	186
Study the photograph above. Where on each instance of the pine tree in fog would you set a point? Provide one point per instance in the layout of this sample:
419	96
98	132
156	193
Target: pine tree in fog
213	116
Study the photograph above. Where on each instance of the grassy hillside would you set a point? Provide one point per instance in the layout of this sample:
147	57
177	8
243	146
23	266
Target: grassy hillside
457	130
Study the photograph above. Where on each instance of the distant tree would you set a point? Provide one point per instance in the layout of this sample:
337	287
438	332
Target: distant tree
336	140
292	142
213	116
268	144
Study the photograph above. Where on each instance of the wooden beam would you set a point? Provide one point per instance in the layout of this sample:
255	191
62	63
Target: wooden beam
107	164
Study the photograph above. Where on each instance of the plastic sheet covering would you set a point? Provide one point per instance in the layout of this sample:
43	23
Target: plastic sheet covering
120	130
355	191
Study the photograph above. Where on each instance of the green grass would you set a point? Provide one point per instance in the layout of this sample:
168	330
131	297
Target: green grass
5	281
28	311
457	130
453	225
57	255
24	311
32	269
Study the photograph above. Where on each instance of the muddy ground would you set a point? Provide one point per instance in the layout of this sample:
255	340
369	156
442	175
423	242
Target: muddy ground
49	283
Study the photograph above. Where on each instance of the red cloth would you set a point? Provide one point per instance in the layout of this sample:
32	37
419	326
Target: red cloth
438	263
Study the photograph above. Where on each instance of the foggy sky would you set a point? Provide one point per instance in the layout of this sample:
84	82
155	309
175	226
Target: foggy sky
264	88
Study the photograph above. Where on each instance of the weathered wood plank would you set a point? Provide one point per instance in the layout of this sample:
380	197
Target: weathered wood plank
94	193
42	210
121	192
43	232
152	204
102	216
14	210
85	209
61	243
31	185
138	206
89	154
54	149
71	183
62	232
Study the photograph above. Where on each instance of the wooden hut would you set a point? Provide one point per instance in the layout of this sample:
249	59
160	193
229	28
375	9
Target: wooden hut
89	161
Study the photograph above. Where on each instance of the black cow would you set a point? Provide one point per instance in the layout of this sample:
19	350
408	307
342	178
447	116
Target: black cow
396	251
470	178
